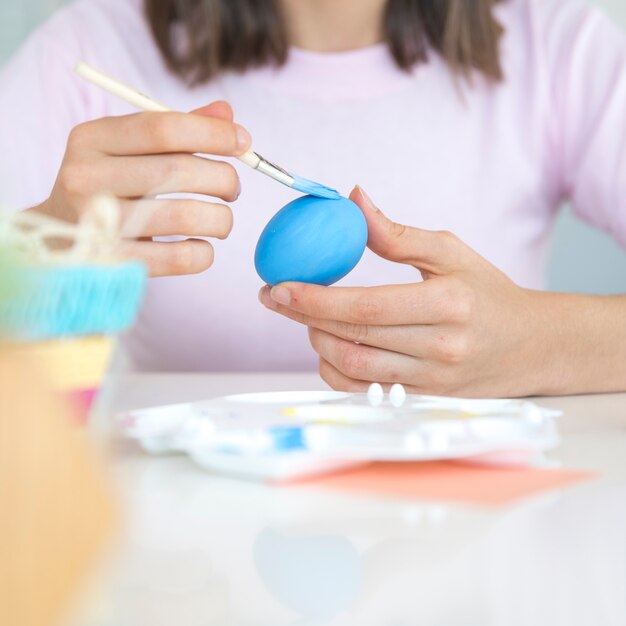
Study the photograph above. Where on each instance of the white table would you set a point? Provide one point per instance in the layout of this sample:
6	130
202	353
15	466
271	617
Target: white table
200	550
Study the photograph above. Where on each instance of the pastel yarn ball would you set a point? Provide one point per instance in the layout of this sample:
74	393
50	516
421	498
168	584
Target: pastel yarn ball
311	240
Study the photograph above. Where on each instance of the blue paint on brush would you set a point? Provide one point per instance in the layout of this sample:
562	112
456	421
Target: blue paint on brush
314	189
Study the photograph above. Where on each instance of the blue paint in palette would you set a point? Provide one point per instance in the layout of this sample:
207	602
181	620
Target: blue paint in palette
311	240
272	440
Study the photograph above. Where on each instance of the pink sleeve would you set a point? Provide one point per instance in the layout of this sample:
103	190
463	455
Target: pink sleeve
40	102
586	54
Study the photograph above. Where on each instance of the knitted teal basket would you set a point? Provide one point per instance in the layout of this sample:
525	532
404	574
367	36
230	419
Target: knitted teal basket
52	302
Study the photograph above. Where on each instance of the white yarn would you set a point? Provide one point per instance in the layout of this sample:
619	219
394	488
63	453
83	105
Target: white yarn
95	238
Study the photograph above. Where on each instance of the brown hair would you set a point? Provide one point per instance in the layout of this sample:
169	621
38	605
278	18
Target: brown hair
220	35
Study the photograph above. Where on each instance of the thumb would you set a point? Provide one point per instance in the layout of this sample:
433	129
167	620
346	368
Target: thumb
431	252
220	109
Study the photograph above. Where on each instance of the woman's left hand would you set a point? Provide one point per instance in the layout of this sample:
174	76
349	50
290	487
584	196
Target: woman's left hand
466	329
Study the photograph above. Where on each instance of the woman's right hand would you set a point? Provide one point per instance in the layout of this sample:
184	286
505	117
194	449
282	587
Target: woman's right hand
137	157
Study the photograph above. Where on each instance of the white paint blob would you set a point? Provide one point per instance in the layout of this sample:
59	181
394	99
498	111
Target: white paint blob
397	395
375	394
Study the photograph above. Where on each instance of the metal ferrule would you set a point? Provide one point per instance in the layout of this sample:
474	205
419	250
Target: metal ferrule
274	171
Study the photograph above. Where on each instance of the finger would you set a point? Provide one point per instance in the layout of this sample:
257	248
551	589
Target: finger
132	177
387	305
177	258
433	252
192	218
220	109
405	339
442	344
428	384
162	133
360	362
338	381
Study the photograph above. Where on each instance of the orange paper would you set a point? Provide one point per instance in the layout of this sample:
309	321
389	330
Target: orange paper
449	481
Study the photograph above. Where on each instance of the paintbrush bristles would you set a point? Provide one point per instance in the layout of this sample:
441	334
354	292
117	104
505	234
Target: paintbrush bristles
315	189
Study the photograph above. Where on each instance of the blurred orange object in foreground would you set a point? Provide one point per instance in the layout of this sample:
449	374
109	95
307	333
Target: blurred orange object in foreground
57	511
74	366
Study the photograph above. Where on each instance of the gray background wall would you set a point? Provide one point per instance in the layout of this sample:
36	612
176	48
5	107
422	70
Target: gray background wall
583	260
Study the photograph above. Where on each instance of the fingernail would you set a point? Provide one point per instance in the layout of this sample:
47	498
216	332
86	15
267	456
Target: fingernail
282	295
368	201
264	297
243	138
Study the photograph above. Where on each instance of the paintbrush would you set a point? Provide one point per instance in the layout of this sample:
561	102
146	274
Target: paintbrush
253	159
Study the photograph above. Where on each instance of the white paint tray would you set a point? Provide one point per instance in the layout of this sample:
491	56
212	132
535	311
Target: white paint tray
288	435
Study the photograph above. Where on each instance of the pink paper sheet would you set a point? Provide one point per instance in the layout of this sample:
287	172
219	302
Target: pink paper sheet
449	481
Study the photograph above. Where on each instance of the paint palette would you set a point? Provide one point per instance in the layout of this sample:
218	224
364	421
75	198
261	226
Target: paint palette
281	436
311	240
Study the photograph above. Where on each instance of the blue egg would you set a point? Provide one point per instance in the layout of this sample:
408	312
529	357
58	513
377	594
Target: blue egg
311	240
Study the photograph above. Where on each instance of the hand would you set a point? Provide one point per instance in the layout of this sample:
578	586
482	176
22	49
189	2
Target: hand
136	157
465	330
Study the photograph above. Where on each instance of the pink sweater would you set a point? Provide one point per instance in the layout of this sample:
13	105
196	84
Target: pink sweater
492	163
